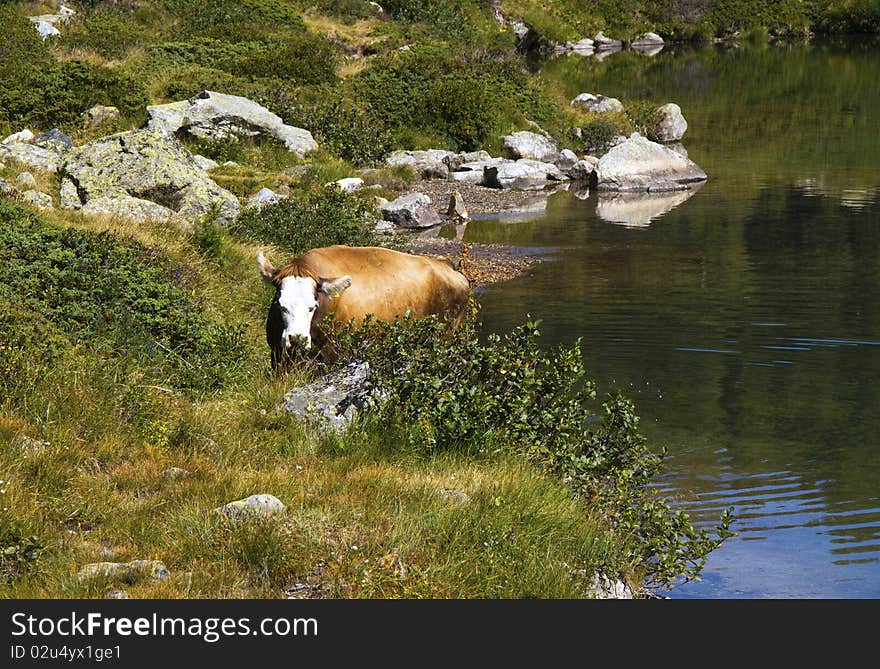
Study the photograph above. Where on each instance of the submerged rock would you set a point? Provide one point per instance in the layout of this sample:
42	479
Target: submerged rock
413	210
151	166
640	165
213	115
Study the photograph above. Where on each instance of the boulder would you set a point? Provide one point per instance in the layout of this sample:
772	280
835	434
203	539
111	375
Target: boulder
212	115
583	47
55	140
469	176
565	160
125	206
601	42
670	125
523	174
411	211
597	104
44	27
38	199
456	160
531	145
640	165
255	506
99	114
582	170
430	164
332	402
152	166
128	572
35	157
647	41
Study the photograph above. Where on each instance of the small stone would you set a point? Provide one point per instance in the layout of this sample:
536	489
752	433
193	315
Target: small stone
26	179
456	496
99	114
116	594
205	163
264	197
69	195
252	507
597	104
174	473
128	572
671	124
349	184
457	211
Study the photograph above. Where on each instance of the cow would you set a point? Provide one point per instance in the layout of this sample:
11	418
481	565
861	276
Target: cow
348	283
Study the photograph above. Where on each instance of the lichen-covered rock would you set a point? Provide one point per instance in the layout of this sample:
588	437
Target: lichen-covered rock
68	195
334	400
55	140
21	137
26	179
413	210
36	157
152	166
99	114
531	145
131	208
128	572
670	125
597	104
38	199
255	506
213	115
640	165
205	163
8	189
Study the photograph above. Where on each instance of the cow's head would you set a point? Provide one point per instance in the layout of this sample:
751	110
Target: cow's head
301	302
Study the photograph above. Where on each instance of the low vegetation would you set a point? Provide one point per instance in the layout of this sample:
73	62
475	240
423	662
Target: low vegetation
494	469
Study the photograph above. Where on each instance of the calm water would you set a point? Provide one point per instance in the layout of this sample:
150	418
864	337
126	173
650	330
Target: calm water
744	321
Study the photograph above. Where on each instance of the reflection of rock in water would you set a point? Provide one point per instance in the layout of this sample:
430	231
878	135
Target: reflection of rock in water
651	50
604	53
637	210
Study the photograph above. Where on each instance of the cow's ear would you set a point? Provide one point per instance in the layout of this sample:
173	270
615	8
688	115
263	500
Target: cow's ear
334	287
267	271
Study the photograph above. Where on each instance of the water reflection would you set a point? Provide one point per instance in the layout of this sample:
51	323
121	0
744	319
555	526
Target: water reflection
637	210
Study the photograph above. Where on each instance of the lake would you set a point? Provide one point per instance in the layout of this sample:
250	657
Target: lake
744	320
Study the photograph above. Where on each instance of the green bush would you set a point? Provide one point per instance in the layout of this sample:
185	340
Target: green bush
119	298
233	20
450	391
319	218
110	31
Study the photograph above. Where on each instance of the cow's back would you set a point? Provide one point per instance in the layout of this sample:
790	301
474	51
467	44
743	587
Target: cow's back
387	283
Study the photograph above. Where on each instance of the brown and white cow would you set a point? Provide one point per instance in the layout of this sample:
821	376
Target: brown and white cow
350	282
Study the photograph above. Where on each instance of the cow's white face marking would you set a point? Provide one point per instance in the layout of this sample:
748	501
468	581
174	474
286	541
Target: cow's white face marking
298	300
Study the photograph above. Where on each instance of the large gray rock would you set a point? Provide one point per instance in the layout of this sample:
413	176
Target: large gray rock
36	157
255	506
456	160
334	400
670	125
150	165
27	180
122	205
647	41
523	174
214	115
429	164
22	136
411	211
597	104
640	165
601	42
531	145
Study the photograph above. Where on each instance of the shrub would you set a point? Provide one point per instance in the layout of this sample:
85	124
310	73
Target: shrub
448	391
233	20
120	298
319	218
110	32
